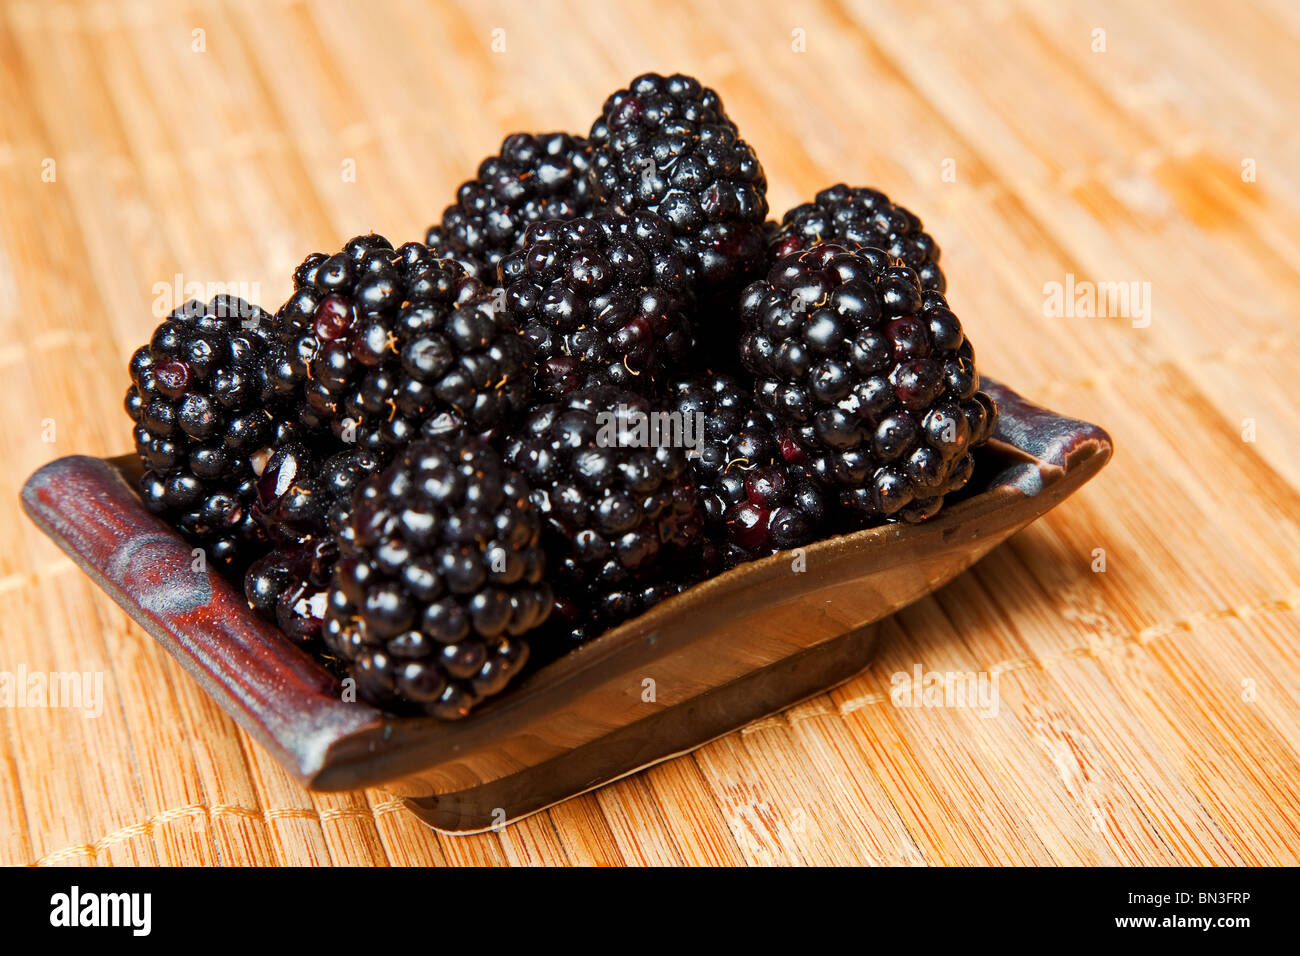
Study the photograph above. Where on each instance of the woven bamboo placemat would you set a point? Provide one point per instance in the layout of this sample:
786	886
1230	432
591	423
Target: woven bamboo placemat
1148	711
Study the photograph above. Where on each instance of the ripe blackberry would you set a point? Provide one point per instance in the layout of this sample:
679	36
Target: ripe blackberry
204	417
601	300
666	144
532	178
856	217
873	376
289	586
755	491
385	345
614	507
302	505
301	498
441	576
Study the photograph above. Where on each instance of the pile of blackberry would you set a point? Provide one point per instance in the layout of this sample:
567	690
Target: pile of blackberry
375	347
602	378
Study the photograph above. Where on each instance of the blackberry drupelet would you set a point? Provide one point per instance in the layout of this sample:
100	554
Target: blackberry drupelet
873	376
391	344
441	576
204	417
601	300
614	507
532	178
666	144
858	216
755	491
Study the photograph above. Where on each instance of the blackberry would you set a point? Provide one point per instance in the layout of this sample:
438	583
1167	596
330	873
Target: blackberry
755	491
872	374
303	506
301	498
289	586
614	507
441	576
204	417
384	345
858	216
601	300
532	178
666	144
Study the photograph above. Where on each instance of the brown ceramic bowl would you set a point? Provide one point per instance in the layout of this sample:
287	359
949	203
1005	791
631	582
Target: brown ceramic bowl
736	648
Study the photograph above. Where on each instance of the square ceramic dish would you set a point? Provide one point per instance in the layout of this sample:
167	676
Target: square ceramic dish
736	648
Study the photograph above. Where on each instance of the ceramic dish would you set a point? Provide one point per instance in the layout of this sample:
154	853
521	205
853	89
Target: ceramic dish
734	649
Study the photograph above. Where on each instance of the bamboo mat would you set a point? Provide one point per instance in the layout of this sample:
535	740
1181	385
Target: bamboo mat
1149	713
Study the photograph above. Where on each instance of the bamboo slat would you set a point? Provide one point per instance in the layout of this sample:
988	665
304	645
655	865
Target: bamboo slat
1148	713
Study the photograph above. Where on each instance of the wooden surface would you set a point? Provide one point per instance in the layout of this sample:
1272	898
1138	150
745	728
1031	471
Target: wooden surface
1148	713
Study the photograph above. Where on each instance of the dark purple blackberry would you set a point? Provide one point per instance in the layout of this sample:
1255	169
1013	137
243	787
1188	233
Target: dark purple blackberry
533	178
754	489
873	376
601	300
615	508
384	345
204	418
302	498
858	216
289	586
303	505
666	145
442	575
